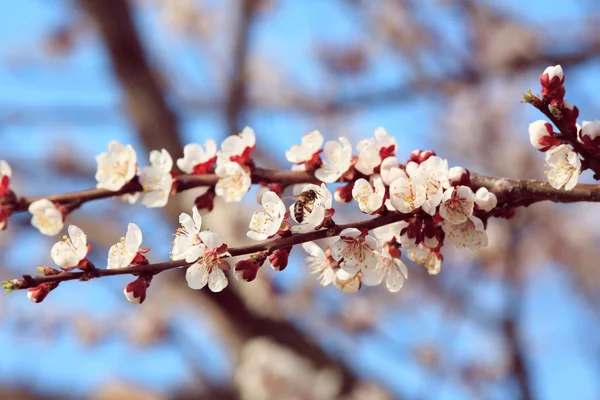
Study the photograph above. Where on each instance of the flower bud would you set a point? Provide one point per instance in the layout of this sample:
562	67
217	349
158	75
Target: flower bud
459	176
279	258
343	194
246	270
570	113
552	80
430	233
590	133
485	199
39	293
47	271
206	202
135	291
541	135
420	156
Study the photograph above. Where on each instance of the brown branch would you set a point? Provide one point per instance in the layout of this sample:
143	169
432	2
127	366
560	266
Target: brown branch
269	246
507	190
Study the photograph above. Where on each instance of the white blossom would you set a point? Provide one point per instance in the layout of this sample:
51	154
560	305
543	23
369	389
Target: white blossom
46	217
187	236
390	171
234	181
406	197
315	217
423	255
117	167
71	250
194	155
311	143
209	266
540	134
355	253
265	224
485	199
470	234
369	150
236	145
456	175
391	270
565	167
386	233
457	204
319	263
369	199
347	283
337	160
432	174
156	179
121	255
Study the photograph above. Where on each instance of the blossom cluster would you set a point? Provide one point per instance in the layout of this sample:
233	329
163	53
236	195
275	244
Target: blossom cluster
565	149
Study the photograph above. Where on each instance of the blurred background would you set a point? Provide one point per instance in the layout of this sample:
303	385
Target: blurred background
517	320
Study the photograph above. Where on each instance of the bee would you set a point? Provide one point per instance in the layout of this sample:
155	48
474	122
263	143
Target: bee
304	203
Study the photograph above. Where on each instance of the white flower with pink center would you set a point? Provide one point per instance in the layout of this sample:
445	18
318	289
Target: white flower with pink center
369	150
405	196
234	181
337	160
356	252
391	270
197	159
46	217
187	236
423	255
310	145
71	250
470	234
319	264
369	198
209	267
432	174
265	224
117	167
121	255
457	204
235	146
156	179
318	209
565	167
390	170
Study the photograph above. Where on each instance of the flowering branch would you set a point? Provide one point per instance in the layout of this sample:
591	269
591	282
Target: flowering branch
270	246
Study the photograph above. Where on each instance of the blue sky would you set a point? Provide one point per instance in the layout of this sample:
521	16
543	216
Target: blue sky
554	321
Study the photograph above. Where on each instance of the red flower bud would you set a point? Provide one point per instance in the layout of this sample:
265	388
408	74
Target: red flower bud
135	291
279	258
246	270
206	202
459	176
39	293
552	80
343	194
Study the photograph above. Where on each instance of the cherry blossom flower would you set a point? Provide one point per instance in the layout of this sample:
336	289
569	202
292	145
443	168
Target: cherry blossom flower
209	266
425	256
69	252
197	160
386	233
470	234
370	151
391	270
541	135
156	179
553	71
46	216
338	159
369	200
234	181
320	209
485	199
187	236
347	283
265	224
457	204
122	254
117	167
356	252
310	145
237	148
406	197
565	167
432	174
390	170
319	263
